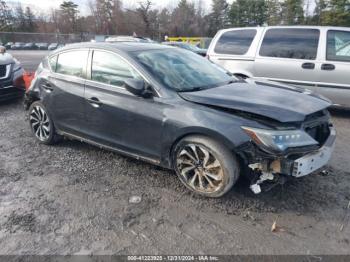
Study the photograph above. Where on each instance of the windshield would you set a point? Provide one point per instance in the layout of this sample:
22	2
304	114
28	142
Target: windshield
182	70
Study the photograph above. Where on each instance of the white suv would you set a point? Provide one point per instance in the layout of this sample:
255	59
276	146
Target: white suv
313	57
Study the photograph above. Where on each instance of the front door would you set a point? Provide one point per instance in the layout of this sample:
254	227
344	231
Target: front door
117	118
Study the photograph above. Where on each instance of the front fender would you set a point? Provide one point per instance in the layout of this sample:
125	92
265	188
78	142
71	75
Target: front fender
221	126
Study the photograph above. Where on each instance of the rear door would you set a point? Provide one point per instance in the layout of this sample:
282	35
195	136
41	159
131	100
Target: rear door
64	89
289	55
335	68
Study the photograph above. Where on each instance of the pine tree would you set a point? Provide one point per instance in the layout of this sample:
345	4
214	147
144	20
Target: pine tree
218	18
273	12
293	12
30	20
248	12
69	11
336	12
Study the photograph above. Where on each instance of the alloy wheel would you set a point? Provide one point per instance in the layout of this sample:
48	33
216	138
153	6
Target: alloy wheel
199	169
40	123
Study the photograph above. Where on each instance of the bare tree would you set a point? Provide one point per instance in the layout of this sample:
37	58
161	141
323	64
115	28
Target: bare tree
144	10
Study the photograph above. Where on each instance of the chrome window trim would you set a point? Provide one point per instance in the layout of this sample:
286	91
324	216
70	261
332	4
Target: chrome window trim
88	63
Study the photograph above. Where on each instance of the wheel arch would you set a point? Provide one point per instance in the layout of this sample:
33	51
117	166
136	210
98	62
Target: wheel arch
168	160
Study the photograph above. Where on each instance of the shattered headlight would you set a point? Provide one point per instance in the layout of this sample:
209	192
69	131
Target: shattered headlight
279	140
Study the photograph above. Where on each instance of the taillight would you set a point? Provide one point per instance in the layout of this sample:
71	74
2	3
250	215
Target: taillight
28	78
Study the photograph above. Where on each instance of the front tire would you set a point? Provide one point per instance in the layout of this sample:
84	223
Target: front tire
205	166
41	124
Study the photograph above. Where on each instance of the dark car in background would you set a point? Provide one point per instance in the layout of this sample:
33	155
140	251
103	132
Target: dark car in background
173	108
30	46
18	46
8	45
193	48
11	71
42	46
53	46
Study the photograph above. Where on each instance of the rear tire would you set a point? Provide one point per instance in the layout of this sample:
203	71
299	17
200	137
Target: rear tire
205	166
42	125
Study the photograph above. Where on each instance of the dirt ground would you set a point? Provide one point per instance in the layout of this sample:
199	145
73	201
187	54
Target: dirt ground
73	198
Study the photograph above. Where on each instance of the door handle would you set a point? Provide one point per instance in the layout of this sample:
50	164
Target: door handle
47	87
328	67
308	66
95	102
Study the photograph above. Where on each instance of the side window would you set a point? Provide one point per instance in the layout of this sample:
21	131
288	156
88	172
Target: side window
111	69
235	42
291	43
53	63
72	63
338	45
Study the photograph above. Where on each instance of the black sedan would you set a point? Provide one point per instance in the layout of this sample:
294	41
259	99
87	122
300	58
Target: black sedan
175	109
30	46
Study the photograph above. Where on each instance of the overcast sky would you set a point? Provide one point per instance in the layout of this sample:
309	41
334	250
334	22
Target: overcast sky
43	5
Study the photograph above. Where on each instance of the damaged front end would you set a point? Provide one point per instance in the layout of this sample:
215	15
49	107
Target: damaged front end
276	155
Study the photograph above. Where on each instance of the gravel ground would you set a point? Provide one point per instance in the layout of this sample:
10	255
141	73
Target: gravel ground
73	198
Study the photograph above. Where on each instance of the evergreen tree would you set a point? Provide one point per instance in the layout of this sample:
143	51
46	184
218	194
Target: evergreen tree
293	12
183	18
248	13
30	20
218	18
68	11
336	12
273	12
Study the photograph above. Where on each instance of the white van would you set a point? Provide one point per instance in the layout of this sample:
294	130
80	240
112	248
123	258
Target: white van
313	57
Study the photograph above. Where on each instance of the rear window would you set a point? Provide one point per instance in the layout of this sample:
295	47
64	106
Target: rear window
291	43
235	42
72	63
338	45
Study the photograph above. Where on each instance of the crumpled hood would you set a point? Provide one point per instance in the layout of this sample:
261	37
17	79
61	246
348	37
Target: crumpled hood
276	101
6	58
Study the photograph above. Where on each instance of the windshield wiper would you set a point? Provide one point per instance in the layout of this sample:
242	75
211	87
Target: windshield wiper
231	81
199	88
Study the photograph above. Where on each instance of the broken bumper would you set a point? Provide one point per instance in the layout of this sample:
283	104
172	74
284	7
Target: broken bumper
316	160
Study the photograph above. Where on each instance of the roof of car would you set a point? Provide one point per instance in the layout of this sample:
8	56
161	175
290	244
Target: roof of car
122	46
287	26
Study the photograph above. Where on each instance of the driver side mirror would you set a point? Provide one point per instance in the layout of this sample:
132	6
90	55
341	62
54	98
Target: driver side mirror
2	49
137	87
